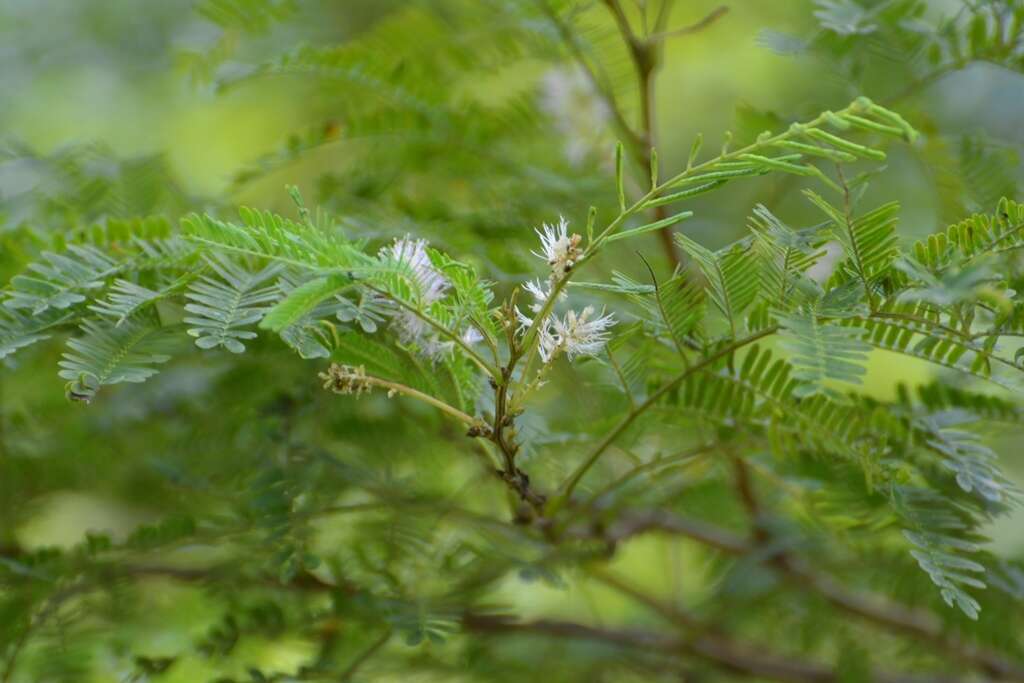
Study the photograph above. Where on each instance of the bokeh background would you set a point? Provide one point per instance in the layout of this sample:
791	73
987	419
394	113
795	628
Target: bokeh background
120	108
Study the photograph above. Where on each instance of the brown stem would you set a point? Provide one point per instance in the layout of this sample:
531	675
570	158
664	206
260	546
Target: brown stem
604	90
354	667
724	653
504	420
747	495
889	614
646	56
696	27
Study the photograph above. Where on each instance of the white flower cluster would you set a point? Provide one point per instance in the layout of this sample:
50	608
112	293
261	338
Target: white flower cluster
582	333
577	334
578	111
560	249
431	285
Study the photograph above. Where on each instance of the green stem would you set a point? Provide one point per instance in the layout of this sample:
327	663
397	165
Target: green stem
365	656
631	417
648	466
441	329
426	398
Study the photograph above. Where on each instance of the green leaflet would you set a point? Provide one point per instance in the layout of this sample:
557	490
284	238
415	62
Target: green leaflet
60	280
979	235
219	308
733	276
126	299
106	354
822	352
973	463
786	255
950	286
266	235
869	240
650	227
681	305
912	331
301	301
473	296
936	531
310	327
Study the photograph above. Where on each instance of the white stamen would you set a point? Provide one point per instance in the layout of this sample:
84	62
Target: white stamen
559	249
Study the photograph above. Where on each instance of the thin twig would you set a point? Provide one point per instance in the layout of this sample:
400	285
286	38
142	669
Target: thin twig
643	467
646	56
671	613
406	390
726	654
441	329
365	656
632	415
605	91
696	27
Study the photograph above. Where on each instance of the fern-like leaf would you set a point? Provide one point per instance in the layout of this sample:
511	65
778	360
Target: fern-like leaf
60	280
266	235
733	276
915	331
126	299
301	317
941	536
219	308
822	352
106	355
681	304
301	301
869	241
18	330
786	255
974	237
973	463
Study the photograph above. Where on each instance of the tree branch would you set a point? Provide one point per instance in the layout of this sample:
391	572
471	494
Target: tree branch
722	652
882	611
365	656
696	27
646	56
605	91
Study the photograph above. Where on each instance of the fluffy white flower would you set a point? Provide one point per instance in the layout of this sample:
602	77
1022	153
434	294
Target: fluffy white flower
432	347
560	249
540	295
578	334
524	320
578	111
472	336
431	286
581	335
548	345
